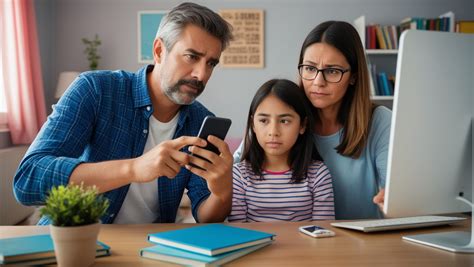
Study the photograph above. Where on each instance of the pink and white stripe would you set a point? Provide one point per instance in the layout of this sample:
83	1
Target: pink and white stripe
276	199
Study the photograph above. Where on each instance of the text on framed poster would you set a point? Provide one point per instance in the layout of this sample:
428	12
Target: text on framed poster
247	48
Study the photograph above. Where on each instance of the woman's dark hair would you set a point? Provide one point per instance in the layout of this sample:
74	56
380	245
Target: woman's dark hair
356	108
304	150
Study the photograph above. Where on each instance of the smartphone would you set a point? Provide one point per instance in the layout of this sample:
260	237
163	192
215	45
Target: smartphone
213	126
316	231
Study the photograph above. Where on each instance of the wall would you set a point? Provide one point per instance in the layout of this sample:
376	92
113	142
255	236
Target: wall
11	212
46	23
229	92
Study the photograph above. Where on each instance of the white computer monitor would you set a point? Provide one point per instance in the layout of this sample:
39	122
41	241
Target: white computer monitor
430	151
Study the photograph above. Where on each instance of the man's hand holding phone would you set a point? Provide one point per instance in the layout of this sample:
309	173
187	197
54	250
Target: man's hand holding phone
211	126
165	159
214	161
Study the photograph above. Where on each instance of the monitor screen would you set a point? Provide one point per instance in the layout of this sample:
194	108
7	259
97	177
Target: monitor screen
430	151
430	158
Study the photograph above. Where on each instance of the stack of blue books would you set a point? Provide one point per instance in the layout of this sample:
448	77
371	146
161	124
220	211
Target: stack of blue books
206	245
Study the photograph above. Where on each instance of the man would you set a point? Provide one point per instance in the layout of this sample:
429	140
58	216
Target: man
127	133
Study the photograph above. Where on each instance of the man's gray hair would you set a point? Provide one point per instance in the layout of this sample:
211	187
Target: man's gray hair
179	17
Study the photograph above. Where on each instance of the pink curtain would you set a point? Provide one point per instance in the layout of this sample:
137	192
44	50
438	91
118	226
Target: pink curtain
23	82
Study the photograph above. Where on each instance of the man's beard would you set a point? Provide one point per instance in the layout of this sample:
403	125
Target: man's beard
181	98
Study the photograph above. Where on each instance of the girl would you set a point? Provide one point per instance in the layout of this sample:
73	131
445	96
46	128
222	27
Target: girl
281	176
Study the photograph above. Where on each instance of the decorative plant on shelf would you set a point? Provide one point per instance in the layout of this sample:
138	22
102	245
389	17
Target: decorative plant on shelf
75	212
91	51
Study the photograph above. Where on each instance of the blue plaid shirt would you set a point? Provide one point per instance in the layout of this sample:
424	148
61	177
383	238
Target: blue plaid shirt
104	115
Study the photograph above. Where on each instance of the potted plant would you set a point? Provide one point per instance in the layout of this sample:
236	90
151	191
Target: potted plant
75	212
91	51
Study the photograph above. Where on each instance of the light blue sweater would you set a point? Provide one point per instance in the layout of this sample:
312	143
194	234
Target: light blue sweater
356	181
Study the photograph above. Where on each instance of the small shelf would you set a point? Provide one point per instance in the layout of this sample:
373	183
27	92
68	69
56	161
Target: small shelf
381	51
382	97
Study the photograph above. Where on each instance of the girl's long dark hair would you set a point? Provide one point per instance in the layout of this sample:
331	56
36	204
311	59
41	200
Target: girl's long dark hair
303	151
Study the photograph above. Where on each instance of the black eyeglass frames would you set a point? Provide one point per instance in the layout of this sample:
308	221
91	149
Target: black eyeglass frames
331	75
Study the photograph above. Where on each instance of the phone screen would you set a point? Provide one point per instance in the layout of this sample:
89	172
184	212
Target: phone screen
313	228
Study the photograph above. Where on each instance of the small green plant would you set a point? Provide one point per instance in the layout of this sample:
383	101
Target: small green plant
91	51
74	205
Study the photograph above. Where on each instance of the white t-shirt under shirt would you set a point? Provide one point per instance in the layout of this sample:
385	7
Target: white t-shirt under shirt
141	203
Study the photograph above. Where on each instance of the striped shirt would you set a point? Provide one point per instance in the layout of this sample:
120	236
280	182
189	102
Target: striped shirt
276	199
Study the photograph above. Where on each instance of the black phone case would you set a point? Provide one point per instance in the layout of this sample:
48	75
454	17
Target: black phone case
214	126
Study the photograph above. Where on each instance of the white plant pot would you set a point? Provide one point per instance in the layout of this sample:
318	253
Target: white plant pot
75	245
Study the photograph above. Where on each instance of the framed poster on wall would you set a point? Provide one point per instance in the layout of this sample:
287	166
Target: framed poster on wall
247	48
148	23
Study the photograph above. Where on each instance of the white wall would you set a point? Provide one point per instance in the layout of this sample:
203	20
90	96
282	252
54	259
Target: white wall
229	92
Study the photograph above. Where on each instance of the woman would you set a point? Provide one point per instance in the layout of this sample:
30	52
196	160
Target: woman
351	133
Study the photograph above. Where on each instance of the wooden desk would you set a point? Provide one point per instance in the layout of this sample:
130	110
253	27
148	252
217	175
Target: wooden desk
291	248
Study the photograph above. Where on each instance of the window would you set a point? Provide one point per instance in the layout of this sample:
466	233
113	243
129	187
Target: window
3	103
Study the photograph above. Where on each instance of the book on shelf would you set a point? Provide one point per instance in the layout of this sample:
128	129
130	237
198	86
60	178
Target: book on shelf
35	250
393	32
183	257
372	82
376	36
445	22
210	239
371	37
380	37
385	85
465	26
449	21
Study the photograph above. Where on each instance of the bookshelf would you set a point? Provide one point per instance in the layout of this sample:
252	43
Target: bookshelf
379	60
383	60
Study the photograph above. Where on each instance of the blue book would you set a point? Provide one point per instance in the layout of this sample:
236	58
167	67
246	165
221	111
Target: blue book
36	249
382	76
386	86
174	255
210	239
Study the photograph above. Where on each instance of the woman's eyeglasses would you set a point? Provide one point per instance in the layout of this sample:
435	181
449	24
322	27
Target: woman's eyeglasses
330	75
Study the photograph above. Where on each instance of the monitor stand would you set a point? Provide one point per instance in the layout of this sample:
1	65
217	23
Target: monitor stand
460	242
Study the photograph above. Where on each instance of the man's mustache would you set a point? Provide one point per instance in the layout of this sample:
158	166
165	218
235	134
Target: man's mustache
194	83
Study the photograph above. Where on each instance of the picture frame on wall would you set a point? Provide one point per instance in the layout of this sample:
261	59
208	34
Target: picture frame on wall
148	23
247	50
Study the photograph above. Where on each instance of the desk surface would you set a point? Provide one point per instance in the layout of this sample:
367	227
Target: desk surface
290	248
